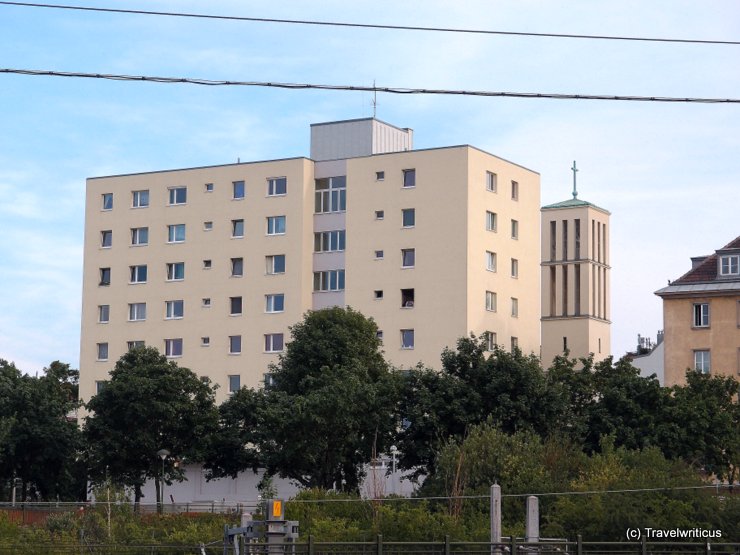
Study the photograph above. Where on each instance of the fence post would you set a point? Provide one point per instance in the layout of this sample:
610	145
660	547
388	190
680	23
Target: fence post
447	544
513	545
379	545
644	545
707	548
579	544
310	544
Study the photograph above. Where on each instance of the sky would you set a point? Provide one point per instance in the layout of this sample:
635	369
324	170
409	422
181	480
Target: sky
668	173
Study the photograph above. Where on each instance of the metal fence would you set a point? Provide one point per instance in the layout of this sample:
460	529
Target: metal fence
381	547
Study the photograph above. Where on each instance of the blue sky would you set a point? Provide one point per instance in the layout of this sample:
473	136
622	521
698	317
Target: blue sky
669	173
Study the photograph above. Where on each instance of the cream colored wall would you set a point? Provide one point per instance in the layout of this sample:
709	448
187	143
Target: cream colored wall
721	338
215	283
590	332
438	317
526	287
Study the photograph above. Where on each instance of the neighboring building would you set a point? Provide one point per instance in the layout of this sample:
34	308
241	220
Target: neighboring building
649	358
212	265
575	280
701	316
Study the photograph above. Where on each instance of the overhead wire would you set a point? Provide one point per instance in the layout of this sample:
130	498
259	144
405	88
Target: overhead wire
364	88
368	25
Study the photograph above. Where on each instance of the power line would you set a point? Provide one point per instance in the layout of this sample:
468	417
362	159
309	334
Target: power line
368	25
364	88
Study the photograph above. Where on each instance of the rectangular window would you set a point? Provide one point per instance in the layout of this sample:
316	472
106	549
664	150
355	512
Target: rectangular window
408	217
99	385
237	267
238	190
514	344
103	313
207	264
329	241
104	276
407	298
107	201
378	294
491	182
205	341
331	195
207	226
276	225
235	344
491	221
702	361
106	239
176	233
490	339
275	303
407	339
140	199
237	228
177	195
136	312
139	235
102	351
490	261
206	302
577	233
277	186
514	268
379	176
175	271
330	280
379	255
729	265
138	273
701	315
380	214
275	264
235	306
137	344
565	239
409	178
408	258
553	239
209	187
514	229
514	190
514	307
174	310
273	342
235	383
173	347
491	301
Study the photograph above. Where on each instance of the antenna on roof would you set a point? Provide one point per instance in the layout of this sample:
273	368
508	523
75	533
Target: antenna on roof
375	99
575	191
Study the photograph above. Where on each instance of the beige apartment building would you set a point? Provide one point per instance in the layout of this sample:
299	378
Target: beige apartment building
701	317
212	265
575	280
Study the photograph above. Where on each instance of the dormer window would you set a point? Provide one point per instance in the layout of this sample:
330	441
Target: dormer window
729	265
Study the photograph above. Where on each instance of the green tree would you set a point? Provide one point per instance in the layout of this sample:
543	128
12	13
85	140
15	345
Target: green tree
701	424
41	443
149	404
332	406
474	385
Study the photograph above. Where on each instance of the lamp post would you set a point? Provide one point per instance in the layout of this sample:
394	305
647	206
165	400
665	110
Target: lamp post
162	454
394	451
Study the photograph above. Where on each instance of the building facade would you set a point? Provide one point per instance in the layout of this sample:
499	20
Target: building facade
212	265
575	280
701	317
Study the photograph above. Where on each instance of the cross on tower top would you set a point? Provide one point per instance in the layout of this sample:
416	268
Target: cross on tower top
575	190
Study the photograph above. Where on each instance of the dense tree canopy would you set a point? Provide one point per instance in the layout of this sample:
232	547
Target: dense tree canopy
332	406
39	445
149	404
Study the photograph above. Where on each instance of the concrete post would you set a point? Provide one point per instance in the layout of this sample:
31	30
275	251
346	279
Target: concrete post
532	524
495	517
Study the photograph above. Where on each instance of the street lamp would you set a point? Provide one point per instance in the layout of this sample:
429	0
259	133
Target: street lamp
162	454
394	452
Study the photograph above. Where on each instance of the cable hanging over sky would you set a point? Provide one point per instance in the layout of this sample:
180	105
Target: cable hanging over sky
366	25
363	88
